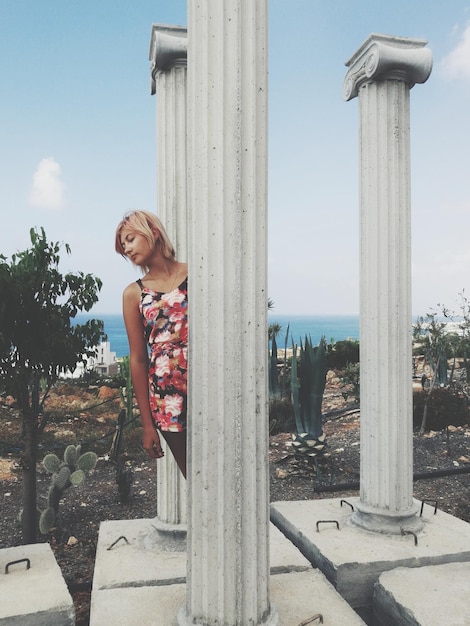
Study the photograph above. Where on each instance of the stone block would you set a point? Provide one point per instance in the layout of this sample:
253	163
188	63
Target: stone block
33	591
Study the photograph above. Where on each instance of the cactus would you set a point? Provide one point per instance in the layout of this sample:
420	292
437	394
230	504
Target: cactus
307	386
69	472
61	479
51	463
277	380
46	520
87	461
124	479
77	477
127	392
274	388
71	454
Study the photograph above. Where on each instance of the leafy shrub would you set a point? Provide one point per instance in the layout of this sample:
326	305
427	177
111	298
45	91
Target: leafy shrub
341	353
446	406
350	381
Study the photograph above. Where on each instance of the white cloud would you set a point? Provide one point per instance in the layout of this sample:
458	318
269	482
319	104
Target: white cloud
457	63
48	188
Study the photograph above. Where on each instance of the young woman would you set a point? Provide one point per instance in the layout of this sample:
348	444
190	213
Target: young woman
155	310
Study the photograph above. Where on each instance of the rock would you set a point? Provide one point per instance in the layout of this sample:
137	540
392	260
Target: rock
106	393
65	435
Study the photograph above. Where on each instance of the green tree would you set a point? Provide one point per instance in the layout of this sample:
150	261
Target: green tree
38	341
432	338
461	339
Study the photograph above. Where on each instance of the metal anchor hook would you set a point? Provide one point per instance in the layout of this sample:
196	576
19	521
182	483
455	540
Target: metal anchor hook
326	521
25	560
117	541
318	617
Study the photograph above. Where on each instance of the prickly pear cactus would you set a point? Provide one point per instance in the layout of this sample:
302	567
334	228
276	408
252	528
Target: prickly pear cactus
77	477
70	455
65	474
87	461
51	463
61	479
46	521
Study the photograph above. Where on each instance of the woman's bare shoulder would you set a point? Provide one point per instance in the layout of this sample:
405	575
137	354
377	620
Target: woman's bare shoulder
132	291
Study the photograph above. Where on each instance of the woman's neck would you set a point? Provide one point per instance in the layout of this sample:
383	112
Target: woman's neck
165	275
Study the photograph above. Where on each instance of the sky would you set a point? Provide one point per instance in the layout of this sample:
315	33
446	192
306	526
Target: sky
78	141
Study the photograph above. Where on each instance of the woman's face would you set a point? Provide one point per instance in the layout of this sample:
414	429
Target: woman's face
136	247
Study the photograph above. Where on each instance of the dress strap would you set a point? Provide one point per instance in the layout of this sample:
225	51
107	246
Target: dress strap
139	282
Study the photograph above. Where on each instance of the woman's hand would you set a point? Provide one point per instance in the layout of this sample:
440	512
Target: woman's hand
151	443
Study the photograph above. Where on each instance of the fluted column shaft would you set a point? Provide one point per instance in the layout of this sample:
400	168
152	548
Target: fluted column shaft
168	58
381	73
228	515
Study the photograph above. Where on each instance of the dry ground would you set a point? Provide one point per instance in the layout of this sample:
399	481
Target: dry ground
89	417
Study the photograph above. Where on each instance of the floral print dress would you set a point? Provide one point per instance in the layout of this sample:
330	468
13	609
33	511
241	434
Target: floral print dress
165	319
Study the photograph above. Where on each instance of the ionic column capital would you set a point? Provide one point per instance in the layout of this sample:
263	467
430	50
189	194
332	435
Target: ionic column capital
168	49
385	57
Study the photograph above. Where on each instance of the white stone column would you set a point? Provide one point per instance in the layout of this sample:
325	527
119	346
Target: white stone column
228	503
168	57
381	73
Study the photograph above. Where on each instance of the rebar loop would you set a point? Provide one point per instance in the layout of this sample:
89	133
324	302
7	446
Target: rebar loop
25	560
117	541
429	501
404	531
327	521
318	616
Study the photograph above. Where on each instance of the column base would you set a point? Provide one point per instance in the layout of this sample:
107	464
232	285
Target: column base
386	522
185	620
178	531
169	537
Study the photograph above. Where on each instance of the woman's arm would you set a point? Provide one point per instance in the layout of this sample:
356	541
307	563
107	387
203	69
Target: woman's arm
139	367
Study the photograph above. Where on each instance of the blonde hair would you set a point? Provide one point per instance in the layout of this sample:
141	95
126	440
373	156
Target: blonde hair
148	225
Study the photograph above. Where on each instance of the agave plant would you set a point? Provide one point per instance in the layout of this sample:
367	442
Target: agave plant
308	380
273	376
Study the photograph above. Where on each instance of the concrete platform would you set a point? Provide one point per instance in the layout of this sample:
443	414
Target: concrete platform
428	596
37	596
143	557
141	581
297	596
353	558
139	558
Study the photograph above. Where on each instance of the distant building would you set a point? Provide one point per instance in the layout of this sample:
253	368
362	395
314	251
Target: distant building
104	363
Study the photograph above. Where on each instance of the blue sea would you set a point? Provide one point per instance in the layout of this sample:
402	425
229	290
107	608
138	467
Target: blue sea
332	327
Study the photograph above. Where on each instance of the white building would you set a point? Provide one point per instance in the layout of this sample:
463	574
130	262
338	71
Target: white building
104	363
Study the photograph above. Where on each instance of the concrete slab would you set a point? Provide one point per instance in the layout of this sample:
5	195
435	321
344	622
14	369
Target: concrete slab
297	596
353	558
143	557
44	599
141	583
428	596
139	556
137	606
